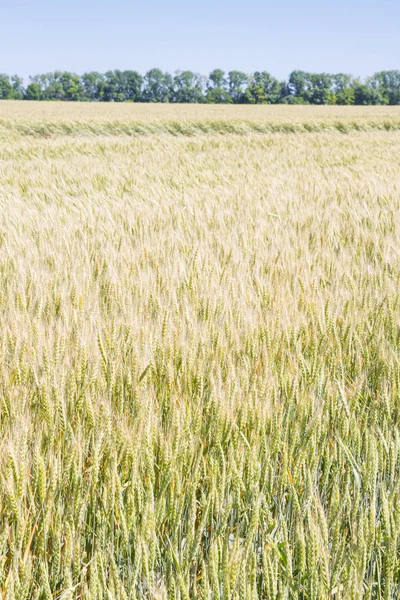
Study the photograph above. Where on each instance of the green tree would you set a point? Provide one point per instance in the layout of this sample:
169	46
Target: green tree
217	78
341	82
53	87
237	82
58	86
93	86
386	87
11	88
188	87
217	92
255	93
72	88
363	94
41	81
158	86
133	85
346	97
112	88
185	86
320	84
343	88
33	92
298	86
263	89
18	87
6	88
367	94
122	86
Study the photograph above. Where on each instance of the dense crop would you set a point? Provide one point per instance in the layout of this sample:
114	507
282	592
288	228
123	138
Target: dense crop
199	363
52	119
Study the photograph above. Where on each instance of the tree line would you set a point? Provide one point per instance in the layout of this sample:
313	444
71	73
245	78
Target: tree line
234	87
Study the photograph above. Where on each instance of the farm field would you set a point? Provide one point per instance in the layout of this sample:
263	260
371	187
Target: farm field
199	352
79	118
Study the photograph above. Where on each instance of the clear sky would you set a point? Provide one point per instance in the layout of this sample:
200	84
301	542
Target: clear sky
352	36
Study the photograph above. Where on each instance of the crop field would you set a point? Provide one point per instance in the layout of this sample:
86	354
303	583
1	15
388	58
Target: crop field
48	119
199	352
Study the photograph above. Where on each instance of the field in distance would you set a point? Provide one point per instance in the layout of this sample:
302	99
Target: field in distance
199	354
57	118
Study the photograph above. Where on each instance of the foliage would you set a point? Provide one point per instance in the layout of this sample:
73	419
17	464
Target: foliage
158	86
217	88
237	81
10	87
187	87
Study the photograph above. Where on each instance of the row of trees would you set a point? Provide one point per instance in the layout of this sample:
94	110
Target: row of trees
219	87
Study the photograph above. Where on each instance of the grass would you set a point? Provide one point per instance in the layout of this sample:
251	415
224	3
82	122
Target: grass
199	357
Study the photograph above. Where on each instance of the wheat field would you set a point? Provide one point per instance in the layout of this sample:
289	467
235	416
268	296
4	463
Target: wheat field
199	353
49	119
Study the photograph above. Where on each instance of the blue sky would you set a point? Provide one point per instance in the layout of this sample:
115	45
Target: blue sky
353	36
